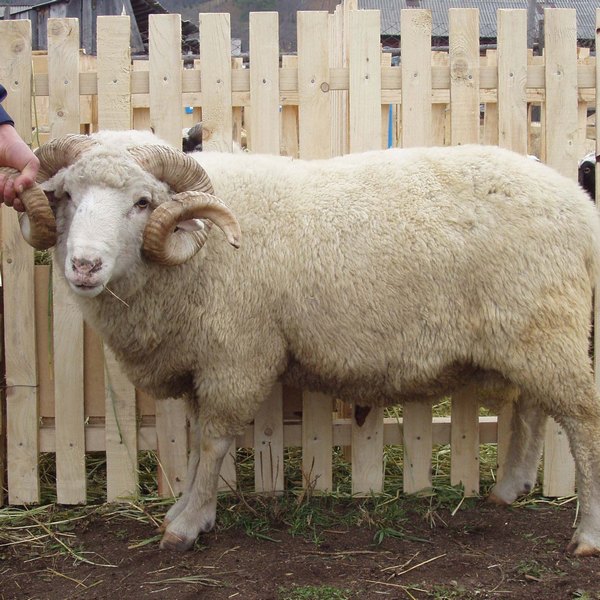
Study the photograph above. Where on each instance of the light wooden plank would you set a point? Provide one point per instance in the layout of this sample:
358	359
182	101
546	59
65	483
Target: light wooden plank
71	485
317	441
141	116
367	454
490	116
560	45
164	50
18	287
464	442
504	435
365	81
165	72
314	108
464	75
264	82
512	79
338	58
120	432
268	444
172	445
63	76
93	373
417	428
114	73
215	75
289	117
64	105
415	37
43	340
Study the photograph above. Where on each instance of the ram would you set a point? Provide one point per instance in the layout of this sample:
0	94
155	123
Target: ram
384	277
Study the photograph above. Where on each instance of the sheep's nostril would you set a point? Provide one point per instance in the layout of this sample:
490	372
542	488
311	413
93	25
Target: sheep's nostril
85	266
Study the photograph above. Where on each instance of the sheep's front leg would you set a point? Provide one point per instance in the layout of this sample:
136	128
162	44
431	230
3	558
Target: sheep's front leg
193	460
524	452
199	511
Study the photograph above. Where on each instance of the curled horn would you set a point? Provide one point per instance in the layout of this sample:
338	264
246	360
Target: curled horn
38	224
193	199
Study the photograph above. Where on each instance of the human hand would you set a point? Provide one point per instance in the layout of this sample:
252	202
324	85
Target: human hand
15	153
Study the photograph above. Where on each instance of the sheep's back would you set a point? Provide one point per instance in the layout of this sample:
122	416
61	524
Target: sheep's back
408	261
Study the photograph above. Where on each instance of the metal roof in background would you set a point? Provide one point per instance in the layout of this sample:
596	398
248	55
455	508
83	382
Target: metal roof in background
390	13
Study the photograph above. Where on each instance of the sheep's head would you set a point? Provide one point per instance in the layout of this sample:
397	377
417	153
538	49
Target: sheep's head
117	204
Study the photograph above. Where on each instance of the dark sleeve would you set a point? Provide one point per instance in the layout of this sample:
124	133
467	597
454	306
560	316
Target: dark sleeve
4	116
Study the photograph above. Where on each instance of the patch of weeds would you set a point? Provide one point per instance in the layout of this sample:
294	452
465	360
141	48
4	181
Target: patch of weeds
535	571
443	592
312	592
583	595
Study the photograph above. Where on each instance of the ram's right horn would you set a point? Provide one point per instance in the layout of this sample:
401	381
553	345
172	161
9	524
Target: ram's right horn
37	223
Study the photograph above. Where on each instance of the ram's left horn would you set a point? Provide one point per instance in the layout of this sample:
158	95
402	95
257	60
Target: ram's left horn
37	223
193	199
166	246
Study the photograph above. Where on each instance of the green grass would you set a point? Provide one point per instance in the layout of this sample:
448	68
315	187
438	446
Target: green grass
312	592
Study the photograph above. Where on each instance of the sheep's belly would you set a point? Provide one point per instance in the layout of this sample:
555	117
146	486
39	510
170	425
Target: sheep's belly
383	390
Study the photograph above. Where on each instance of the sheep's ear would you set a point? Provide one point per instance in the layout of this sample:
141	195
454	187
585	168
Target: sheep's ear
191	225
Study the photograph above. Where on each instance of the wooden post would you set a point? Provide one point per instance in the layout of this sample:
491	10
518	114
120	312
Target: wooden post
317	441
264	82
63	86
464	75
114	73
365	81
465	124
268	444
512	134
415	37
18	286
215	76
560	51
313	85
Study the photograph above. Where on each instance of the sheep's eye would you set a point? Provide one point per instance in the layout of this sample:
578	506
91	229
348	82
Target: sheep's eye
142	203
66	196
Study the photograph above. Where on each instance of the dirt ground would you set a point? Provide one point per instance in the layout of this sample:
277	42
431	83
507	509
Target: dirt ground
479	552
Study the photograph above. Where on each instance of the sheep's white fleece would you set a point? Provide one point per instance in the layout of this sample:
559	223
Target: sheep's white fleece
382	277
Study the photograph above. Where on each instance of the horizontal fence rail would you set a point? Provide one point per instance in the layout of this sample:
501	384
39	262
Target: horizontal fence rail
65	392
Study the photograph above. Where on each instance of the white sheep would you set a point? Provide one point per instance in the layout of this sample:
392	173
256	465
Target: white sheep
383	277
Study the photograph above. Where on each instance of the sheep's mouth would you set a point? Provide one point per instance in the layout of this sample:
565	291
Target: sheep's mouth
86	289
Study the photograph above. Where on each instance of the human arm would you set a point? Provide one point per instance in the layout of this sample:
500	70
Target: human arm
15	153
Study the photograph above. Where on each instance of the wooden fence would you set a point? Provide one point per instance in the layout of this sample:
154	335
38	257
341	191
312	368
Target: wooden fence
66	394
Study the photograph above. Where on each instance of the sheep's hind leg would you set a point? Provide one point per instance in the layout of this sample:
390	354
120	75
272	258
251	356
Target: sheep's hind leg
524	452
199	512
193	459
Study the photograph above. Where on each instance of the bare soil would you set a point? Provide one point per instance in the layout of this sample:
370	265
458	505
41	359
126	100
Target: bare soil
481	551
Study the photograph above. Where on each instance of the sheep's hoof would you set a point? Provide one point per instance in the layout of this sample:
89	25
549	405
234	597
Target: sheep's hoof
582	549
493	499
170	541
163	526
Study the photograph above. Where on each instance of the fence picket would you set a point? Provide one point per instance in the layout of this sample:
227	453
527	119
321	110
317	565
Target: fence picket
268	443
114	70
561	148
63	83
367	454
264	82
314	108
464	75
365	81
215	77
416	78
17	279
317	441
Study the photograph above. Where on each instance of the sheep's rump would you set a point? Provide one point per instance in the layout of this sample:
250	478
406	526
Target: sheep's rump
395	269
